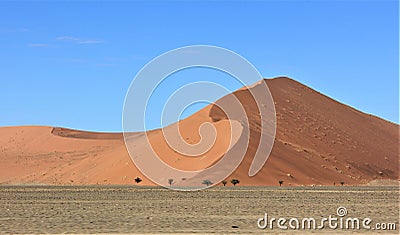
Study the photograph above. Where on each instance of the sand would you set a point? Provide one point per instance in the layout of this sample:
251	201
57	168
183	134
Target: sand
220	210
319	141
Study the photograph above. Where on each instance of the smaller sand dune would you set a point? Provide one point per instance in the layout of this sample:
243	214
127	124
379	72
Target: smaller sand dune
70	133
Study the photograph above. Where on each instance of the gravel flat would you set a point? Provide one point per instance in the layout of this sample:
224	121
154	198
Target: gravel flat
133	209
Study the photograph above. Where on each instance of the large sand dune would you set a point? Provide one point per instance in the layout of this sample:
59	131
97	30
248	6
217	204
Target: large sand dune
318	141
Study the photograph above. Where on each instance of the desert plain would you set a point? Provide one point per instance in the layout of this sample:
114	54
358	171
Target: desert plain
148	209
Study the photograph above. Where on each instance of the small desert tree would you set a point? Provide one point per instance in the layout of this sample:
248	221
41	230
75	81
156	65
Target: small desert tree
280	182
342	183
170	181
224	182
235	182
207	182
138	180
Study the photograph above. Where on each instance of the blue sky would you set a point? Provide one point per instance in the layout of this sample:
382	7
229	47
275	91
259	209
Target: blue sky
70	63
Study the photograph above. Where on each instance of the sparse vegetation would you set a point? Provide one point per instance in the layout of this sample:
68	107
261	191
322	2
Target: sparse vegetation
235	182
170	181
342	183
207	182
280	182
138	180
224	182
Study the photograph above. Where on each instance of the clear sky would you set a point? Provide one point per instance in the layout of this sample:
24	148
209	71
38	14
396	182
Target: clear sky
70	63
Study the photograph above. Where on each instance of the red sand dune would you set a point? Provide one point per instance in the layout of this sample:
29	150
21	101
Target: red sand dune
318	141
